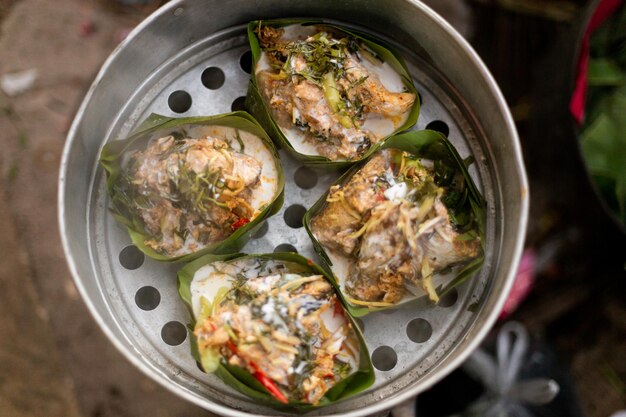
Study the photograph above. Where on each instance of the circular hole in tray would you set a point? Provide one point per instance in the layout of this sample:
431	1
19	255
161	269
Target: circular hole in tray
178	11
439	126
246	61
419	330
131	257
147	298
213	78
384	358
261	231
238	104
179	101
449	299
285	247
173	333
293	216
305	178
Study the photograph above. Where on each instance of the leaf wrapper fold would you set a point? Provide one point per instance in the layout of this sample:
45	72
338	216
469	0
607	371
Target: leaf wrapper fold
240	378
111	159
256	105
427	144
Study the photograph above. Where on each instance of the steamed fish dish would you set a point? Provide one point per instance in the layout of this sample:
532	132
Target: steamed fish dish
192	188
390	229
279	322
330	93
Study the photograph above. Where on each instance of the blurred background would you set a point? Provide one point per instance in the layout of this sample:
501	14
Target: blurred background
55	361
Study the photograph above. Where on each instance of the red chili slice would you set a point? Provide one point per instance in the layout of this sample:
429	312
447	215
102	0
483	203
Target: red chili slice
232	347
270	386
261	377
239	223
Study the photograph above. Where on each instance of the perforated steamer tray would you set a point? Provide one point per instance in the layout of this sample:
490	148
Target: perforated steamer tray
191	58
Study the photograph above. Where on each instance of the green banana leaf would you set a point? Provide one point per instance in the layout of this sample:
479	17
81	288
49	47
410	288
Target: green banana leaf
603	147
602	137
112	158
241	379
257	107
435	146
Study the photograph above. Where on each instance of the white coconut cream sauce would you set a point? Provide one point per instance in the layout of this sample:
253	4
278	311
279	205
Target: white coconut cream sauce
397	191
208	280
381	126
340	266
263	64
388	76
296	138
206	283
297	32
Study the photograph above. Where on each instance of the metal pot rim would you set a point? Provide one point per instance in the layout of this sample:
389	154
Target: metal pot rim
428	380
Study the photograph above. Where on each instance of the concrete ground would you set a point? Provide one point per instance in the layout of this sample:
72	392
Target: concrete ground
54	360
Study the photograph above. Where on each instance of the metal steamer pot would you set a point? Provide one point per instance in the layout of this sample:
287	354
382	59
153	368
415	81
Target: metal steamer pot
160	68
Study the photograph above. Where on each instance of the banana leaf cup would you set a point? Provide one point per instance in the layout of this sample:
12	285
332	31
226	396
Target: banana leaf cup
405	223
330	99
192	186
273	327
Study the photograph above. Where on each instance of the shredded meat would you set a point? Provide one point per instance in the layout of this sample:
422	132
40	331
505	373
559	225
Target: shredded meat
188	192
371	92
394	242
297	93
349	204
280	332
